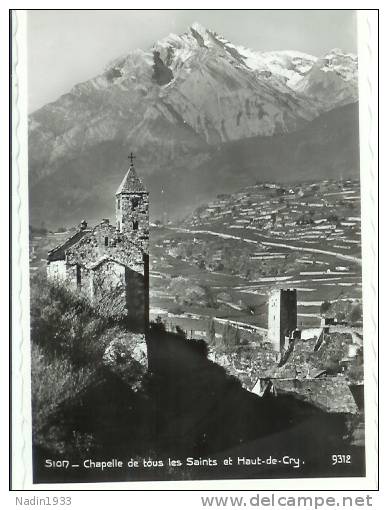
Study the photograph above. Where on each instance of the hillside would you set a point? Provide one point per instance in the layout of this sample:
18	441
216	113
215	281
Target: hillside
93	401
325	149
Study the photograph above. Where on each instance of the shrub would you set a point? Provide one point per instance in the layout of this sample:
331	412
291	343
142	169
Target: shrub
68	342
65	325
52	382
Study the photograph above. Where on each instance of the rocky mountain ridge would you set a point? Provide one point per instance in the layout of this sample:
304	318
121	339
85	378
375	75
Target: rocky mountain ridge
172	105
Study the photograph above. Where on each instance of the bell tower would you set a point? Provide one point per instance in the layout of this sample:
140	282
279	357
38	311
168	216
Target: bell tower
132	208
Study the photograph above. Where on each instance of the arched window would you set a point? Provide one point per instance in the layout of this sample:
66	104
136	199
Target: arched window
106	241
118	204
135	225
134	202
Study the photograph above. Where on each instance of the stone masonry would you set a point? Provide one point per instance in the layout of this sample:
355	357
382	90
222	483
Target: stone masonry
108	263
282	317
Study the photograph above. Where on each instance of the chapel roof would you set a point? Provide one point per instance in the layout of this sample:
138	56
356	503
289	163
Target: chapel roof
59	252
131	183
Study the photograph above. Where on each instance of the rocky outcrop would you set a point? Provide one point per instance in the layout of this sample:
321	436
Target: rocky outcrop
126	356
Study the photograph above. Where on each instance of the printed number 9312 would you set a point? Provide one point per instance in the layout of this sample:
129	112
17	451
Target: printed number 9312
341	459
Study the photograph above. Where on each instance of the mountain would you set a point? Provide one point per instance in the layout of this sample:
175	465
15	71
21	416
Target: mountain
331	79
174	105
327	148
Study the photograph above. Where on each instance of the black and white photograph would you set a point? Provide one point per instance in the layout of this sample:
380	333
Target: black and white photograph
195	301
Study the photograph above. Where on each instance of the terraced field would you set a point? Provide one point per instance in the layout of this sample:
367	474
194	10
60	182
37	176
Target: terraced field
238	251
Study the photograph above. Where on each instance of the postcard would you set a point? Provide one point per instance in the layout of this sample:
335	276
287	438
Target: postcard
192	289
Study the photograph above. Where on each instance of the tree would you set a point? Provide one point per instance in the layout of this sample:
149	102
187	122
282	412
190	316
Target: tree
201	264
180	331
333	218
230	336
340	316
208	296
211	332
251	309
158	324
325	307
356	314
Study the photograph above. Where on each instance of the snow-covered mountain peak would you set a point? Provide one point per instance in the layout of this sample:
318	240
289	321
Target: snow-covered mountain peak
340	63
339	52
200	29
332	78
181	53
338	56
196	39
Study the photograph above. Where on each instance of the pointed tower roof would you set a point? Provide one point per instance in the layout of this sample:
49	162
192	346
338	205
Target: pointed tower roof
131	183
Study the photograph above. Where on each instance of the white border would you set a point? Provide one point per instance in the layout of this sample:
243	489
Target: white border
21	467
21	393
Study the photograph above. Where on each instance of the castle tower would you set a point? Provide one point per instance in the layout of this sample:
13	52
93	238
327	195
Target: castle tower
132	208
282	317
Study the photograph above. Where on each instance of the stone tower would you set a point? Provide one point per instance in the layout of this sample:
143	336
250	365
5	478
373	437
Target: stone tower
282	317
132	220
132	209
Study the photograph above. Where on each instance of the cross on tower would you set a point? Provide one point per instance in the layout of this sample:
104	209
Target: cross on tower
131	157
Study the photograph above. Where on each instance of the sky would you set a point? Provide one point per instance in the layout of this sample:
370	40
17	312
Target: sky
66	47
